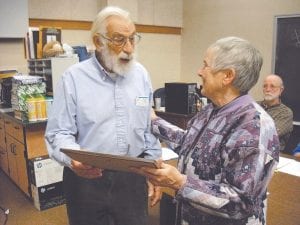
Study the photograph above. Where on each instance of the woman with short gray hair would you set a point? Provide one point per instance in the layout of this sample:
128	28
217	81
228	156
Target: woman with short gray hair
230	149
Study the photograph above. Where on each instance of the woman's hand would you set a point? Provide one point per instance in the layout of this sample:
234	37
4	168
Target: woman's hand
85	171
165	176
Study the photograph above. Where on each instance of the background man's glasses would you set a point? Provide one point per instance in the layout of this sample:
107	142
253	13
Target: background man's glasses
120	40
271	87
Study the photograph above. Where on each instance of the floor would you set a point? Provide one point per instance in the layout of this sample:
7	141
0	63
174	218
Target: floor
22	211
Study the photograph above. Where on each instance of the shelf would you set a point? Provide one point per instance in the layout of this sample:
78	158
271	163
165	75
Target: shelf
50	69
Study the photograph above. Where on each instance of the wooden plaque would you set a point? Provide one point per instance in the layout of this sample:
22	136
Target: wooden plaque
109	162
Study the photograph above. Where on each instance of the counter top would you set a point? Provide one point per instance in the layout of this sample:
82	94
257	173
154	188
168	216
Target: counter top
25	123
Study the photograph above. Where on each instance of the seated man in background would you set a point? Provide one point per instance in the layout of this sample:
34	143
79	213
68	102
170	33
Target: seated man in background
281	114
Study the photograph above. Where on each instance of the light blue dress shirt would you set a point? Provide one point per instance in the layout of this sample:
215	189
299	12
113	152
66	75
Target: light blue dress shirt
94	112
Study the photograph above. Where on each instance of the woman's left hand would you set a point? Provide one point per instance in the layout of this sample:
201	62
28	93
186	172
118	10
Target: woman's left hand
166	176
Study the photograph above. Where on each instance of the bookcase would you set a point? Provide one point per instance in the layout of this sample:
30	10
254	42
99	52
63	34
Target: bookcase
50	69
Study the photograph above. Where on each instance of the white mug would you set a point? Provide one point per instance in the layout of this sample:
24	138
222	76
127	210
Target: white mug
157	103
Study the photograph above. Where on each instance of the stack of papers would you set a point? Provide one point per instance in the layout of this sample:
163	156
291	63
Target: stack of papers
289	166
168	154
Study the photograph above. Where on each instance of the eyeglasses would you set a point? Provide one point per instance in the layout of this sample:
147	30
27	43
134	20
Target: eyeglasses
120	40
271	87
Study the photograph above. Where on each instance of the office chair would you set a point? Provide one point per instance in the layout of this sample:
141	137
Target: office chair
160	93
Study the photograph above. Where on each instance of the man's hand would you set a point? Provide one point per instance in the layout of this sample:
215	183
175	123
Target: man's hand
85	171
154	193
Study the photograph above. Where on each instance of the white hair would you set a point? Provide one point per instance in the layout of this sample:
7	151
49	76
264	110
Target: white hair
99	24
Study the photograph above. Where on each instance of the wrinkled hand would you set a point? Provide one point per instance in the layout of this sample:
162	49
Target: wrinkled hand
154	193
153	114
165	176
85	171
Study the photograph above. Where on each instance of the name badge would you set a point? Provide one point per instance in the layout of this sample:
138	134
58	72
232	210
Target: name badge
142	101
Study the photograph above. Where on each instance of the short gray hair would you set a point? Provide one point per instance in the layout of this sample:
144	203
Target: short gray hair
99	24
238	54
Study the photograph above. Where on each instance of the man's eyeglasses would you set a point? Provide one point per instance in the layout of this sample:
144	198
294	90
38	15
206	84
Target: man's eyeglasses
120	40
271	87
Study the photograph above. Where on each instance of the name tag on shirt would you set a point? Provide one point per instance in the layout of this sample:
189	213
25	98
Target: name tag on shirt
142	101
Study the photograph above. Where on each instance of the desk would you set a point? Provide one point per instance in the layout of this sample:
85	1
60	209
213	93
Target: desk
284	199
179	120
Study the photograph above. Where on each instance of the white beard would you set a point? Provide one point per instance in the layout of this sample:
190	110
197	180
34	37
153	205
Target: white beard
113	62
269	97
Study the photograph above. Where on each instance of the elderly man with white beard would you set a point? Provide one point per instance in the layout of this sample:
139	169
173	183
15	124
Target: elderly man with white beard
103	105
281	114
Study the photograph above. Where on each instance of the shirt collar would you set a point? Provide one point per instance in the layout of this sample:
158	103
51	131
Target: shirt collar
265	106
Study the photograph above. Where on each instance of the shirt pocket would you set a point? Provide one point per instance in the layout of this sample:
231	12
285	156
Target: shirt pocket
139	122
140	116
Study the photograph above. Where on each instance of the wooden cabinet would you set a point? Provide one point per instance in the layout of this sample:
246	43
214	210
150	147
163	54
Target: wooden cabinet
14	129
35	141
20	142
16	154
3	150
17	163
180	120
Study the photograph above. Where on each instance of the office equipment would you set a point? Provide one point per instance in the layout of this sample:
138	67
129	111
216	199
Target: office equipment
180	98
82	52
107	161
5	96
50	69
48	196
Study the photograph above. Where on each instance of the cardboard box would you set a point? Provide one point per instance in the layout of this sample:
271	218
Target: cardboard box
44	171
48	196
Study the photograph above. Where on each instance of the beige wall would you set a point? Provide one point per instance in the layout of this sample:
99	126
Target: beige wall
159	53
63	9
170	57
206	21
12	55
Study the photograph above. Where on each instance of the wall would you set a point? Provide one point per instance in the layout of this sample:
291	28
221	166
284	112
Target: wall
160	53
206	21
13	14
170	57
12	55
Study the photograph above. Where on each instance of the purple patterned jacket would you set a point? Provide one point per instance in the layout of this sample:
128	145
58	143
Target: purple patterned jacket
229	155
